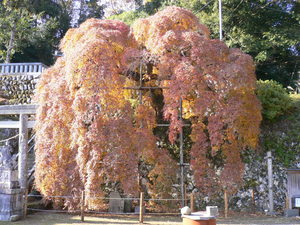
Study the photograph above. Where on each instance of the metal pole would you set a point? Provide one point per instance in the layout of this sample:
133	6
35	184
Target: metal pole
270	183
181	156
220	19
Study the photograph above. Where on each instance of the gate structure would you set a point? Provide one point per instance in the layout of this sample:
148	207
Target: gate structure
181	163
18	72
23	125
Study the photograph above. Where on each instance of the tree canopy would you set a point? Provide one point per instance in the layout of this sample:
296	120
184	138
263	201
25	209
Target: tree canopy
92	132
267	30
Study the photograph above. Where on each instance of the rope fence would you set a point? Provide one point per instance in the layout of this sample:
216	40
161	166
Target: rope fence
10	138
141	202
17	135
105	198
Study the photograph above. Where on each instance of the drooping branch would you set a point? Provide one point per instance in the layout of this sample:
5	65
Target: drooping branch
93	134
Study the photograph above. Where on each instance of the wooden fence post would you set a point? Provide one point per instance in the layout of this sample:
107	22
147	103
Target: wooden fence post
82	205
185	196
192	203
226	203
141	220
287	201
253	199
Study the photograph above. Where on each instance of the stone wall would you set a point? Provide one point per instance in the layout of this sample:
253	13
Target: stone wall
256	179
255	182
17	89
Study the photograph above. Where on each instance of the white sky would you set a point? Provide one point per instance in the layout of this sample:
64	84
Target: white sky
115	6
111	7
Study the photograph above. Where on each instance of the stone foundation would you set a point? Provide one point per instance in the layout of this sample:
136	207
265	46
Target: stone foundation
11	204
11	196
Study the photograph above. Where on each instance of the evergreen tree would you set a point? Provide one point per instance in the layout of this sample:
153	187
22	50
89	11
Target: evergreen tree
31	30
15	25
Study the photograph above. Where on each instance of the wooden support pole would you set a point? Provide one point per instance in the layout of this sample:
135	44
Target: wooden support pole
82	205
287	201
253	199
226	204
192	203
22	161
141	220
185	196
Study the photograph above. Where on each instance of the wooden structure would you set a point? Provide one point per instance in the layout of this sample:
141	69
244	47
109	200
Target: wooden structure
181	163
293	188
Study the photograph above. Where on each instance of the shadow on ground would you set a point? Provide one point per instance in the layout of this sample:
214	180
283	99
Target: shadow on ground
64	219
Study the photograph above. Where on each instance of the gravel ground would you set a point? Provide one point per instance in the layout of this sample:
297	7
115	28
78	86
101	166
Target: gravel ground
259	220
64	219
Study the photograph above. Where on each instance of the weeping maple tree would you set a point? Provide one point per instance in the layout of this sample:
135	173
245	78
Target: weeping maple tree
91	131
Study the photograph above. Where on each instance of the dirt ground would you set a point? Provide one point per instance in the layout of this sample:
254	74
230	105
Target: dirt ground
42	218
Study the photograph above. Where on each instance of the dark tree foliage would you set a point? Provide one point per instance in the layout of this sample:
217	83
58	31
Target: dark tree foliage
38	26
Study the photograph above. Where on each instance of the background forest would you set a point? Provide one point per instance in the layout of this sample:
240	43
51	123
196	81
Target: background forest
267	30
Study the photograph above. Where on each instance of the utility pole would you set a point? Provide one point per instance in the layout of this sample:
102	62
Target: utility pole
220	19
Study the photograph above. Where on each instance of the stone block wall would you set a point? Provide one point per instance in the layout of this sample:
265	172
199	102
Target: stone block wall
17	89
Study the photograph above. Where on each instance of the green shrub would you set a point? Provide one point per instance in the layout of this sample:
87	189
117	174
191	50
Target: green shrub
274	99
128	17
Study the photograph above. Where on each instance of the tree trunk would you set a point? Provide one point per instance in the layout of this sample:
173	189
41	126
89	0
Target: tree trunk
11	43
